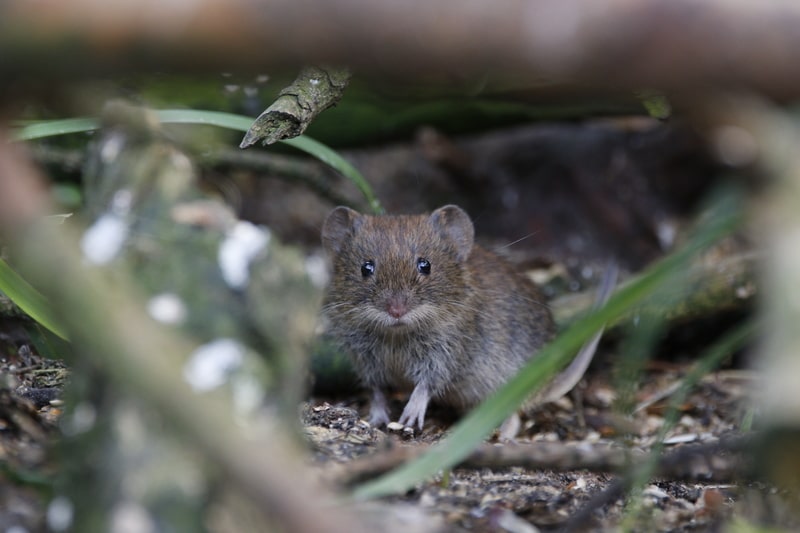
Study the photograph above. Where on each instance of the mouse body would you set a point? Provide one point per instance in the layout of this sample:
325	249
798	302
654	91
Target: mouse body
420	307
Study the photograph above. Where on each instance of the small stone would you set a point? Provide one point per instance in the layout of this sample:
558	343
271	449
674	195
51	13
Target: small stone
681	439
656	493
713	500
395	426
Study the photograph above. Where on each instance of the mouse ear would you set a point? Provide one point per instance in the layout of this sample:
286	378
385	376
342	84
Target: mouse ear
453	224
338	227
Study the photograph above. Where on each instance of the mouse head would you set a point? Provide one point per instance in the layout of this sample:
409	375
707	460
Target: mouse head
401	266
448	224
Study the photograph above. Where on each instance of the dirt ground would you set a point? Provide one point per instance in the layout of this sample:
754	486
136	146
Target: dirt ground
697	490
504	486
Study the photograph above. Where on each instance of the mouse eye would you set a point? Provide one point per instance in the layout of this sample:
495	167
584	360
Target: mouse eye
368	268
423	266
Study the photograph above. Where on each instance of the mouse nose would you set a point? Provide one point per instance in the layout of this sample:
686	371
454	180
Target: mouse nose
397	305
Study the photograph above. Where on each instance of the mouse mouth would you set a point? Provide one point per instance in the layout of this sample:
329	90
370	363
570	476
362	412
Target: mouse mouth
415	318
398	322
390	321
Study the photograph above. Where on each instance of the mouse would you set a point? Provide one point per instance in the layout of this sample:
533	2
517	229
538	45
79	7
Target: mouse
420	307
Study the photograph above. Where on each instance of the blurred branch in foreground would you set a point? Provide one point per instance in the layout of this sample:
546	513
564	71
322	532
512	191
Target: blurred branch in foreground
678	45
142	368
777	139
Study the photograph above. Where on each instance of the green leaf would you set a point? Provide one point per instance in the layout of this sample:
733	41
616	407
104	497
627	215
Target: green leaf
655	103
476	426
28	299
335	161
50	128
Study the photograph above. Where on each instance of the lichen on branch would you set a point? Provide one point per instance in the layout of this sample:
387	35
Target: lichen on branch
313	91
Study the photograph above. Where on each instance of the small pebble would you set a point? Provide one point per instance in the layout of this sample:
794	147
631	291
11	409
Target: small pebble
655	492
681	439
395	426
713	500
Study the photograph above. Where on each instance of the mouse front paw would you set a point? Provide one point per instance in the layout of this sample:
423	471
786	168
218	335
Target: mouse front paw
414	413
378	416
378	409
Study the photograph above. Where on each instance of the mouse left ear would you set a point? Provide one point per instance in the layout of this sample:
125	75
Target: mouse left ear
454	224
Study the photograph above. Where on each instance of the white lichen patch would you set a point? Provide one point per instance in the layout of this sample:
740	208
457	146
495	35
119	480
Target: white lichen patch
121	202
211	364
317	270
104	239
180	161
128	516
248	394
167	308
241	245
60	514
80	420
112	146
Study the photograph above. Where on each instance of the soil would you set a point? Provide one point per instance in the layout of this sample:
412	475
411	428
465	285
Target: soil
488	493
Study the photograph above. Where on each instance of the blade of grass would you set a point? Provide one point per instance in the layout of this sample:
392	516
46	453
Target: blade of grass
335	161
50	128
476	426
709	360
639	338
28	299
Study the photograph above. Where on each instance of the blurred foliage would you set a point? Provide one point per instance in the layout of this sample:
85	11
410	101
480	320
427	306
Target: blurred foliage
28	299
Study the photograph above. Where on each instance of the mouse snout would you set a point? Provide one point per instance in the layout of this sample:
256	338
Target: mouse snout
397	305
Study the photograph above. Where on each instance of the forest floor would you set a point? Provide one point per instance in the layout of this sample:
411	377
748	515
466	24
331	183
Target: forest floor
505	487
696	490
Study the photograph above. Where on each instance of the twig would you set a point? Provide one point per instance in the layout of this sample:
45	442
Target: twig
711	286
691	462
315	90
291	169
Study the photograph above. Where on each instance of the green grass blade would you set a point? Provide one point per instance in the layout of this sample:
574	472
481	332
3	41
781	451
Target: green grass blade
337	162
708	361
476	426
50	128
210	118
28	299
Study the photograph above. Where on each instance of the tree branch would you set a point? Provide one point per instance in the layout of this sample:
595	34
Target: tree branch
312	92
681	45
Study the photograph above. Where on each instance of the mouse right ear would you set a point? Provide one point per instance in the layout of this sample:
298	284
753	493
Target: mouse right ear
453	222
338	227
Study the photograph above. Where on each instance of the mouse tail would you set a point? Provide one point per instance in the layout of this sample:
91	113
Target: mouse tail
564	381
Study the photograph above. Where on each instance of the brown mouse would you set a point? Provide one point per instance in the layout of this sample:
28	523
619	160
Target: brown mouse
419	306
